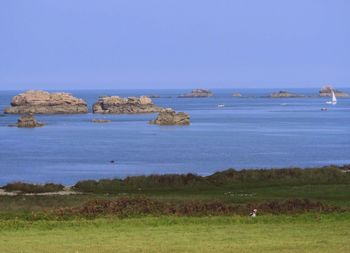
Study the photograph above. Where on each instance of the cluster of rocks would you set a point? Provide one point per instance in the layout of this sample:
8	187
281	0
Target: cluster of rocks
168	116
42	102
197	93
284	94
326	91
130	105
27	121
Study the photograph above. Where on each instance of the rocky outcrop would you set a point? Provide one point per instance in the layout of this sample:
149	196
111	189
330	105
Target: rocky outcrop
197	93
27	121
42	102
168	116
130	105
101	120
284	94
326	91
236	94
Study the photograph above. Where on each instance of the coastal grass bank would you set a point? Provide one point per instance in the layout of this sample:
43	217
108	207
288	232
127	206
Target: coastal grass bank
299	210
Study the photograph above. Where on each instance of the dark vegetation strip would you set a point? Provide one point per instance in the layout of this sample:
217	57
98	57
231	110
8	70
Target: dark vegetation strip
32	188
230	177
129	207
141	206
227	178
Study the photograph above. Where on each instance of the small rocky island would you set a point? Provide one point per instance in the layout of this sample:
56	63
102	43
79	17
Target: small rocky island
326	91
236	94
197	93
101	120
27	121
285	94
168	116
42	102
130	105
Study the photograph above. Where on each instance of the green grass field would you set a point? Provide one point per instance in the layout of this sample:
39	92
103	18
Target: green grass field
303	233
333	194
31	224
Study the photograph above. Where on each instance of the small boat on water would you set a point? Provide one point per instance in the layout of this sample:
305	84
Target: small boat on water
334	99
324	109
221	105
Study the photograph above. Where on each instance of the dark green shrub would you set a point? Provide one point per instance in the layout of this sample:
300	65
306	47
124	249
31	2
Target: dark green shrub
173	180
138	206
33	188
230	177
281	176
101	186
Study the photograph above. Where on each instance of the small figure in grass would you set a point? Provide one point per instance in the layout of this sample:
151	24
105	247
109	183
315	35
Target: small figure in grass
253	213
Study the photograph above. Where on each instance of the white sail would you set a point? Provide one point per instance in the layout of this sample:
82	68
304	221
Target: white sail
334	98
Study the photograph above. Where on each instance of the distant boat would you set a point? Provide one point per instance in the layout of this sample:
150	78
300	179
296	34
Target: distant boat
324	109
221	105
334	99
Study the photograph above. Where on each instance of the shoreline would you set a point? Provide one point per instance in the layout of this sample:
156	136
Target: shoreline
314	175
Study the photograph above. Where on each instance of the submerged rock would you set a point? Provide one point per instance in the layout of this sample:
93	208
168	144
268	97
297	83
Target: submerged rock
27	121
168	116
326	91
197	93
42	102
285	94
130	105
101	120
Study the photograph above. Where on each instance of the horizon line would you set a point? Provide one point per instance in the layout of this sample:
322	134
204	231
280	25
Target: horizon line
209	88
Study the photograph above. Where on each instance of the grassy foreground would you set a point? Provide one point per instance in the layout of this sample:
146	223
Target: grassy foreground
303	233
298	211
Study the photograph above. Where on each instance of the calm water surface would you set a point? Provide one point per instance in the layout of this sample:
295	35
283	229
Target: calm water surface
250	132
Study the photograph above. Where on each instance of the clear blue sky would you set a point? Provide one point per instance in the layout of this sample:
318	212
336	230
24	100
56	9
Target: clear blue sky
77	44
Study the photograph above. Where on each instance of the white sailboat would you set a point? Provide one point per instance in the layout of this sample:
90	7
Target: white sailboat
334	99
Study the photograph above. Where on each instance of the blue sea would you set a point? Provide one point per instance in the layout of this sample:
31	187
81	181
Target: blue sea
249	132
